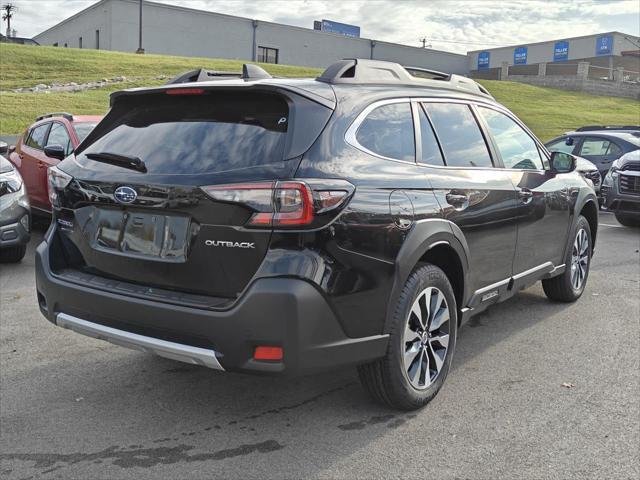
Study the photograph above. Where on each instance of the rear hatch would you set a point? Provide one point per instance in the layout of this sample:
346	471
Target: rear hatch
144	206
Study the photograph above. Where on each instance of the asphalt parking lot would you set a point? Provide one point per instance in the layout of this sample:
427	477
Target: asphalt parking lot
537	390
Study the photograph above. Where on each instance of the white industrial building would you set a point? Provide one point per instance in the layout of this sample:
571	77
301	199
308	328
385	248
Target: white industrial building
173	30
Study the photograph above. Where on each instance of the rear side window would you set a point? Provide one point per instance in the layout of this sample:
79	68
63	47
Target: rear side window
37	136
431	154
594	146
517	149
388	131
460	137
195	134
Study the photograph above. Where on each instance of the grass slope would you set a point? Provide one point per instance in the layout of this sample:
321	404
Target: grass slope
548	112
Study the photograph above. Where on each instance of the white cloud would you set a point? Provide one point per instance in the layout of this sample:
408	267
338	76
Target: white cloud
453	25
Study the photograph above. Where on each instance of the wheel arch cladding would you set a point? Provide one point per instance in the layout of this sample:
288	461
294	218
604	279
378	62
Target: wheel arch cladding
440	243
590	211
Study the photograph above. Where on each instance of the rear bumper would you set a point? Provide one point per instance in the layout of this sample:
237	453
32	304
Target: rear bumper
285	312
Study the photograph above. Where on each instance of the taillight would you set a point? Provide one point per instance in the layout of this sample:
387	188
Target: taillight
283	204
56	180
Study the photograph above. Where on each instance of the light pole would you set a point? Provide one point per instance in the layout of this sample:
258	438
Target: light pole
140	49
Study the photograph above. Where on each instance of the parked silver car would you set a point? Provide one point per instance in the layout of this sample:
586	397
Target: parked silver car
15	213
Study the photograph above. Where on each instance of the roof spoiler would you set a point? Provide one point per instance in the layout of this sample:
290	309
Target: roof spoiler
591	128
64	115
249	72
377	72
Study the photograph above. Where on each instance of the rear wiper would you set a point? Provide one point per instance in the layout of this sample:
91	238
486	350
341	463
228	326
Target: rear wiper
119	160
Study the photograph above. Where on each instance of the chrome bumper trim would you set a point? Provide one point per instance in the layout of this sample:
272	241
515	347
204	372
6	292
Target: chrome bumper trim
163	348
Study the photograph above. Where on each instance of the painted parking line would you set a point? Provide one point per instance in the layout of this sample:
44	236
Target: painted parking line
607	225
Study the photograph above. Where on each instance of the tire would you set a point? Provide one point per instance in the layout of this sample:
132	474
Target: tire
567	287
13	254
628	220
388	379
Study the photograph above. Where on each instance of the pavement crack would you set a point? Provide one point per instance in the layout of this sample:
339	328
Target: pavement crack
139	457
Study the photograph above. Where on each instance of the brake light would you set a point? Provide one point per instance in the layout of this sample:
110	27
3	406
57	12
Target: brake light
185	91
282	204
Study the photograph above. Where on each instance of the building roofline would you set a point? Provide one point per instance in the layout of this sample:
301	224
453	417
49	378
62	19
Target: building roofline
68	19
554	40
217	14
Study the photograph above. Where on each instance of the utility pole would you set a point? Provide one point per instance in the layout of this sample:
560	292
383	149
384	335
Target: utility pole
9	10
424	43
140	49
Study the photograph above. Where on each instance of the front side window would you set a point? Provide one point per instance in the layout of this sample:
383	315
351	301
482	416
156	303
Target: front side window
38	134
564	145
59	136
388	131
460	137
267	55
517	149
83	129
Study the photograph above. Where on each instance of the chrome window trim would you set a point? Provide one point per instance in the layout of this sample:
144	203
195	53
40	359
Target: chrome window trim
350	135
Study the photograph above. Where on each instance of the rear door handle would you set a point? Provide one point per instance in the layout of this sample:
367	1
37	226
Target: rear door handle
525	195
457	201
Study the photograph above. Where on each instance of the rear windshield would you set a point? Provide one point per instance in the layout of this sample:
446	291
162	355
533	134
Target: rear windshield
194	134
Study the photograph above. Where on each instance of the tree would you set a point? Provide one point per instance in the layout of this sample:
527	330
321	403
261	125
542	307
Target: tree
8	11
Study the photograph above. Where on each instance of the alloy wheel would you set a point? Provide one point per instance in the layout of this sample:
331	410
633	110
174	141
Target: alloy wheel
426	338
579	259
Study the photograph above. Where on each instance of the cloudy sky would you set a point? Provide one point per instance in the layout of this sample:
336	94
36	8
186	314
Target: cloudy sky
453	25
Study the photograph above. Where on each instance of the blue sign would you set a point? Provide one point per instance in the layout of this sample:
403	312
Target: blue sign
341	28
483	60
604	45
561	51
520	56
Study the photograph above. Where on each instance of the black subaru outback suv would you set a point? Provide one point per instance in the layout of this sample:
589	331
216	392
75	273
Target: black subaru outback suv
287	226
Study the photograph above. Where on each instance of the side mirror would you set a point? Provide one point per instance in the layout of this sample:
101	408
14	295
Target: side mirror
562	162
55	151
4	148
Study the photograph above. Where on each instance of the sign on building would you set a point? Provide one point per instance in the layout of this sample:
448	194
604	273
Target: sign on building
520	56
341	28
483	60
561	51
604	45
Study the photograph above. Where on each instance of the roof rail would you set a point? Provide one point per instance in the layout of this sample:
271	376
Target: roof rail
249	72
378	72
64	115
590	128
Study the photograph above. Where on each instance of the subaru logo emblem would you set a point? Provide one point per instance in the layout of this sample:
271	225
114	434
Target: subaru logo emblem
125	194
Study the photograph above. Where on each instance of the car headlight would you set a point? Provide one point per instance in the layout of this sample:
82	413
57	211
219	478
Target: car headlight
615	166
10	180
57	180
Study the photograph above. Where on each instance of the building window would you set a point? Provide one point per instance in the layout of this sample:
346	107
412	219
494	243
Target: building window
65	45
97	39
80	42
55	44
267	55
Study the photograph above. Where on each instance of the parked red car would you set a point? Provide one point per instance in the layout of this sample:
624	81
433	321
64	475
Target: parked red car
43	145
